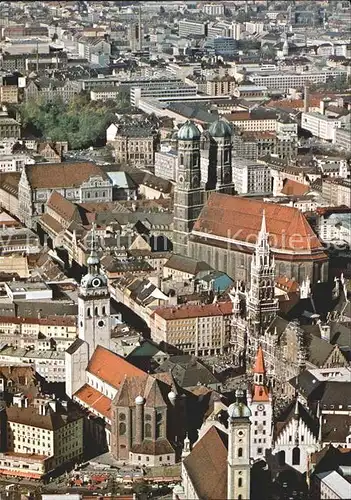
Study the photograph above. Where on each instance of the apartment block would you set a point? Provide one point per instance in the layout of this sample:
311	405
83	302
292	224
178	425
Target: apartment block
196	329
251	178
320	125
46	432
337	191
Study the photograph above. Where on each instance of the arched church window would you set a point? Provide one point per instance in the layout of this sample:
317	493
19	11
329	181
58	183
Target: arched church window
88	312
240	452
159	422
282	458
122	429
240	482
122	416
148	430
148	417
103	310
96	311
195	159
296	456
181	159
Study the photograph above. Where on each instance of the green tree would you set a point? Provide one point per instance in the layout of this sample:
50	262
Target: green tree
82	123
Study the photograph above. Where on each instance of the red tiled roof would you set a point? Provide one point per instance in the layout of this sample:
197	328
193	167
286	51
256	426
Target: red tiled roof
51	320
286	284
59	175
260	393
195	311
21	473
293	188
61	206
239	219
111	368
259	363
51	223
95	400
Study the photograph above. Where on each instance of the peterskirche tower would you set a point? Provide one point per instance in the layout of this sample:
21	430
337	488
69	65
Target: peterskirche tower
239	440
94	321
188	194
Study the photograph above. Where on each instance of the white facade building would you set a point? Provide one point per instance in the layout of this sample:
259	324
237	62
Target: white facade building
251	177
166	164
286	81
213	9
320	125
14	162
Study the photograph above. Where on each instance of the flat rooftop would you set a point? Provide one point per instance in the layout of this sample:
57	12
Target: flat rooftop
27	286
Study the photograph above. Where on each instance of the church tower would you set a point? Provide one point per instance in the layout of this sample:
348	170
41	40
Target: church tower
238	466
220	158
259	400
94	325
188	193
262	306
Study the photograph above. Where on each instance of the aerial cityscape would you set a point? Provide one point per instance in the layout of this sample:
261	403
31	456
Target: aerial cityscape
175	250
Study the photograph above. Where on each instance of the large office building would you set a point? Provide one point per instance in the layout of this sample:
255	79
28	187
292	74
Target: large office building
286	81
186	28
161	88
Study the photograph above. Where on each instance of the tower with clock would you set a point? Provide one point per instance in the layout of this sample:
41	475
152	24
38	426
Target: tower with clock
94	302
259	400
188	193
239	453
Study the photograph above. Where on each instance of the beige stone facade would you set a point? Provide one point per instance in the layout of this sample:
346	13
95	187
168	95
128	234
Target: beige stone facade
200	330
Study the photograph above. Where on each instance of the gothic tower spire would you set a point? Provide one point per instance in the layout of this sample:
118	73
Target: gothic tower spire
262	305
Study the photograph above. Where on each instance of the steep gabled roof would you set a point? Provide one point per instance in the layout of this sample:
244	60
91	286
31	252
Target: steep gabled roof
239	219
63	207
290	413
153	391
111	368
207	465
61	175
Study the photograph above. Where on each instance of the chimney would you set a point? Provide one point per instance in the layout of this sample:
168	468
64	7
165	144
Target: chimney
322	107
305	99
42	409
325	332
140	34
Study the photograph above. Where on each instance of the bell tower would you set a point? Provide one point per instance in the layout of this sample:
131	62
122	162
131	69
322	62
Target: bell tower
238	466
220	164
94	323
188	193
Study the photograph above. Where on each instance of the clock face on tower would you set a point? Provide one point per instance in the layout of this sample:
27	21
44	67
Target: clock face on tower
96	282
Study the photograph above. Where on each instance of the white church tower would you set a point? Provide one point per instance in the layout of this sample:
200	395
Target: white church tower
259	400
94	322
238	467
